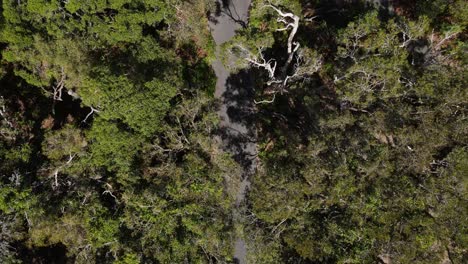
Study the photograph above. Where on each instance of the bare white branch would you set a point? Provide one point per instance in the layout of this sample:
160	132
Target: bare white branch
70	158
55	184
27	220
266	101
59	86
90	113
294	24
3	112
447	37
310	19
109	191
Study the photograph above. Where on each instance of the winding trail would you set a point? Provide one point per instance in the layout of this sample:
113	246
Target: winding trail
235	92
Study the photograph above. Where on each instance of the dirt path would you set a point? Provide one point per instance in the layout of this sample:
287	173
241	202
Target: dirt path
235	92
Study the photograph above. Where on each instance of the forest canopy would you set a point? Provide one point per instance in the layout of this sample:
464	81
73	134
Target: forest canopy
111	139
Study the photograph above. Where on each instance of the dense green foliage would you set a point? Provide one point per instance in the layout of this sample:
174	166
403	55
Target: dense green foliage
109	133
124	168
365	160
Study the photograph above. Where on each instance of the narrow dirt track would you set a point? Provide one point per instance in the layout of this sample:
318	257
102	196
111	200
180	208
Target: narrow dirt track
235	92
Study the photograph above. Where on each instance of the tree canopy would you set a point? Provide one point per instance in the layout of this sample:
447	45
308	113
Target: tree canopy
112	148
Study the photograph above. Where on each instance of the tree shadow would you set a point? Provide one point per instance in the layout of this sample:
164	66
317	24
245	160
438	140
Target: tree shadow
55	253
231	11
239	96
227	8
238	133
340	12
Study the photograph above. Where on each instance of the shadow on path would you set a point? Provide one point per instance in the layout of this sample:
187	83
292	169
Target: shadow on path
238	134
235	92
228	9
